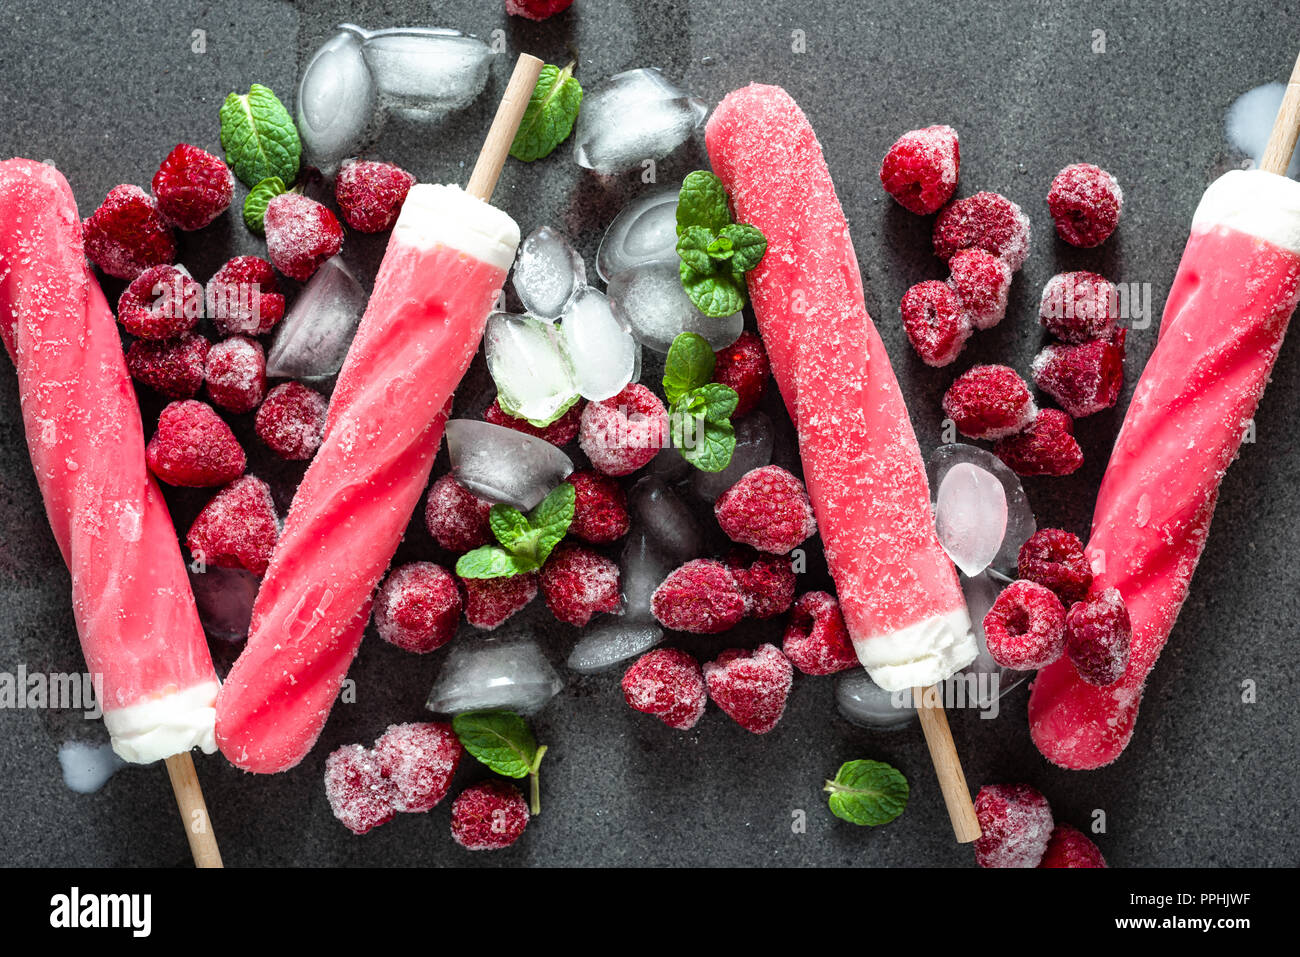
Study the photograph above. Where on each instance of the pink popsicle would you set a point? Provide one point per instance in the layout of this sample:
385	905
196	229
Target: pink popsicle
135	614
1223	325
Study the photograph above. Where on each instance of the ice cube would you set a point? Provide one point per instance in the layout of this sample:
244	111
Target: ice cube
631	117
669	464
668	522
611	644
754	438
547	272
86	767
313	339
1020	517
642	568
649	300
510	673
864	703
502	465
336	106
600	352
970	516
533	377
644	230
425	71
981	592
224	597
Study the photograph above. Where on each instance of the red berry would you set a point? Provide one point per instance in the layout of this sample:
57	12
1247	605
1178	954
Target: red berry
1054	559
669	684
370	194
242	297
292	421
193	447
536	9
419	759
702	597
768	509
1086	378
599	508
920	170
1098	638
1046	447
816	638
981	281
767	581
1085	203
985	221
300	235
127	234
1025	628
236	374
744	367
577	583
1079	306
456	518
238	528
936	324
160	303
418	607
1070	847
1016	822
192	187
989	402
359	794
173	367
490	601
751	687
622	434
559	433
489	816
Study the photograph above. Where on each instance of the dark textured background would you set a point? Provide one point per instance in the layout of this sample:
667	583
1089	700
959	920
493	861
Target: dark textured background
106	89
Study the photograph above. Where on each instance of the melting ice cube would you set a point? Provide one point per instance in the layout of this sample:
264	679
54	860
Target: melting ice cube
547	273
600	352
649	300
489	673
866	704
643	567
502	465
532	375
631	117
609	645
425	70
754	438
336	106
644	230
1020	517
669	524
312	340
86	767
970	515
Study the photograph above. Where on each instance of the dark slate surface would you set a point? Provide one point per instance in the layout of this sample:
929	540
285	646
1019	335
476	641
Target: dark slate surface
105	90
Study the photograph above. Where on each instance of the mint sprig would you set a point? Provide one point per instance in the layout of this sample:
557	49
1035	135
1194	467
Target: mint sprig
868	793
699	410
526	541
259	137
715	252
550	115
258	199
503	741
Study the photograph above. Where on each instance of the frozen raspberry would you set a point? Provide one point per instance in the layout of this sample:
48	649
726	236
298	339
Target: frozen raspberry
920	170
292	421
490	601
1025	628
193	447
981	281
359	794
767	581
418	607
1054	559
986	221
236	374
936	324
559	433
702	597
621	434
127	234
456	518
577	583
1016	822
161	303
237	529
173	367
300	235
669	684
192	187
489	816
816	638
536	9
1098	638
599	508
370	194
1085	203
1085	378
1046	447
751	686
1079	306
420	759
1070	847
242	298
989	402
768	509
743	365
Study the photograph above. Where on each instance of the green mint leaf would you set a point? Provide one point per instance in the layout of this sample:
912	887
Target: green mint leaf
869	793
712	446
693	248
747	243
256	202
689	365
492	562
508	525
538	423
552	110
503	741
719	401
701	428
259	137
720	250
714	294
551	519
702	201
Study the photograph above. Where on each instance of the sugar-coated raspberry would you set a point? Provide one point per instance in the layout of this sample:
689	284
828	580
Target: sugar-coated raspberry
1046	447
300	235
989	402
490	601
418	607
1079	306
599	508
622	434
419	759
192	187
193	447
559	433
1054	558
536	9
1099	637
236	374
1085	203
242	297
173	367
456	517
920	170
744	367
767	509
578	583
1025	628
238	528
701	596
816	638
767	581
1084	378
936	323
359	794
489	816
981	281
669	684
751	687
292	421
370	194
1016	822
1070	847
986	221
161	303
127	234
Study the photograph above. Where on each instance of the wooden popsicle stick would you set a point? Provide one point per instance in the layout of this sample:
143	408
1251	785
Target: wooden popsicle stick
496	147
1281	142
194	810
947	765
